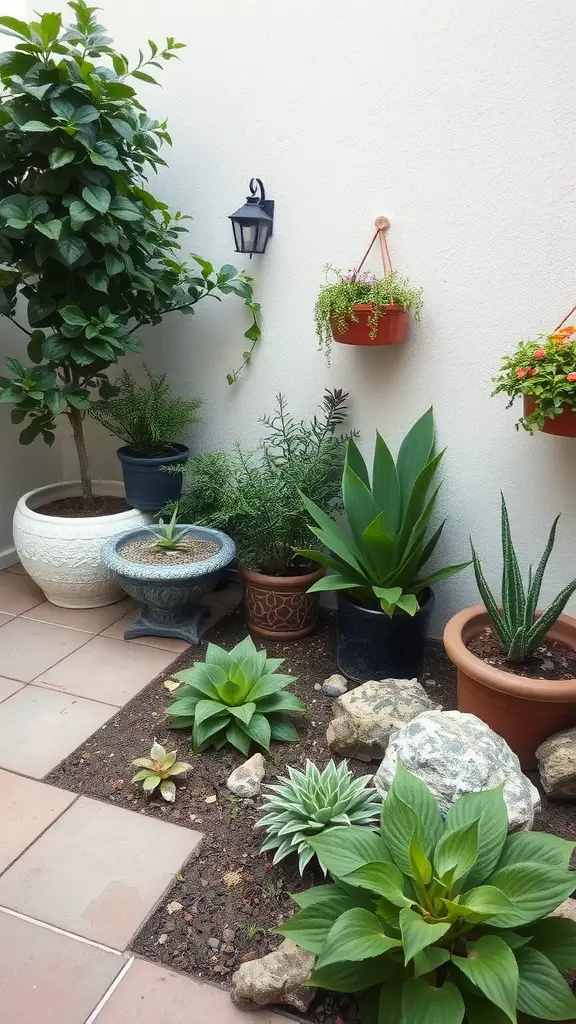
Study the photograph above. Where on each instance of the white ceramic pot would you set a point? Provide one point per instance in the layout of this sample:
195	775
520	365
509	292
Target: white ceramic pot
62	555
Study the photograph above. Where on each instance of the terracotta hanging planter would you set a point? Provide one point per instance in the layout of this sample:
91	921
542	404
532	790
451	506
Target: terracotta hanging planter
563	425
391	326
278	607
524	711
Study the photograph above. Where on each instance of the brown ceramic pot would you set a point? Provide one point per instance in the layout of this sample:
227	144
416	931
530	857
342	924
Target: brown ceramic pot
391	329
524	711
278	607
563	425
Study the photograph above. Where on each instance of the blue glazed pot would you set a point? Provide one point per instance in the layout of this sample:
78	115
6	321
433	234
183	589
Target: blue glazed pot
170	595
148	484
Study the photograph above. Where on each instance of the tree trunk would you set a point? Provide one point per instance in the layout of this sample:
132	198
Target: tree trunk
75	417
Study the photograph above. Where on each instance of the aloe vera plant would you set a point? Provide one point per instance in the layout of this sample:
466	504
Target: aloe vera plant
381	559
168	537
517	628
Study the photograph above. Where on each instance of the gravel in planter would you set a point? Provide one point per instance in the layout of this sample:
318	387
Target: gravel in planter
147	553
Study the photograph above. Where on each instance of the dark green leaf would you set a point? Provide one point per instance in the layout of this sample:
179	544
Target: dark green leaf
555	937
417	934
310	927
491	965
356	935
96	197
60	156
344	849
424	1004
542	991
70	250
535	890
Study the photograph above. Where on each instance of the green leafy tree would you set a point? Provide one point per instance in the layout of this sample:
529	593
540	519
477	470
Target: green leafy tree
436	921
87	254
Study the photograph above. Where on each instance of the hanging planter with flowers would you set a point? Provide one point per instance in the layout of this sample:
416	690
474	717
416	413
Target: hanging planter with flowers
362	309
543	374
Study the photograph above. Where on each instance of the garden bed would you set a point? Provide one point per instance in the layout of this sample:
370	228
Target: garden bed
230	896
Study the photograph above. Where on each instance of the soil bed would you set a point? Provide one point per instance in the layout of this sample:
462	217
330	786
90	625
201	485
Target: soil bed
230	894
75	507
146	553
553	660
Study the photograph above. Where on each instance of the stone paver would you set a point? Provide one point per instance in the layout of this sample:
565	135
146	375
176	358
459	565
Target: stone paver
5	618
27	648
150	993
98	871
8	687
49	978
18	593
107	670
26	809
38	728
90	620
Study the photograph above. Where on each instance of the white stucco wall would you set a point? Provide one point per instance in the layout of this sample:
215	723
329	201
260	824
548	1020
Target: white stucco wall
454	118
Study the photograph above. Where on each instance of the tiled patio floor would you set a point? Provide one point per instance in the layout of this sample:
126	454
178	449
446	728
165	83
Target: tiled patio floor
78	877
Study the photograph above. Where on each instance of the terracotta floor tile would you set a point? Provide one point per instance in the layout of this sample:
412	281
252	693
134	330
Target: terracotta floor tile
89	620
38	728
106	670
8	687
28	648
49	978
165	643
5	618
17	568
18	593
149	993
98	871
26	809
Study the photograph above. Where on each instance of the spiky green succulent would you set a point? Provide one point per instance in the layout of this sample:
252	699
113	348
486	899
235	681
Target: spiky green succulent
234	697
168	537
307	802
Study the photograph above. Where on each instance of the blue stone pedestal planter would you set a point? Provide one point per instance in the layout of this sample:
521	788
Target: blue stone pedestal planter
170	595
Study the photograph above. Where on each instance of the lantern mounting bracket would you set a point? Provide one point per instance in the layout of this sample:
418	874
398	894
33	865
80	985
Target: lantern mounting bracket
266	204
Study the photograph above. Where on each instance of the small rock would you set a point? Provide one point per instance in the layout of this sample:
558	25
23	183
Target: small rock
365	717
454	753
245	781
162	938
278	978
229	934
335	685
214	944
211	799
174	907
317	686
547	665
203	883
557	764
566	909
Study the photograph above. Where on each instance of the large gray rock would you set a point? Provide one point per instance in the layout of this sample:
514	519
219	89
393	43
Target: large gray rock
557	764
278	978
365	717
245	781
455	753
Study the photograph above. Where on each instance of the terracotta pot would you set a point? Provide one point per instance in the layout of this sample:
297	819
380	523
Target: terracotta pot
563	425
524	711
391	330
278	607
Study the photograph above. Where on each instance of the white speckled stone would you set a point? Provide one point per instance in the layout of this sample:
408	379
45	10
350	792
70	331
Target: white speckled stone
365	717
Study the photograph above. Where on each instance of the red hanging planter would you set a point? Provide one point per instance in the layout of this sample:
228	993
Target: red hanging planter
391	327
563	425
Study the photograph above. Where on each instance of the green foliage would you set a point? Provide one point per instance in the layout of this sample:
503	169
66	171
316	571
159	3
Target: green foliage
545	370
235	697
158	771
436	920
254	495
168	537
88	251
308	802
380	560
336	301
148	419
516	627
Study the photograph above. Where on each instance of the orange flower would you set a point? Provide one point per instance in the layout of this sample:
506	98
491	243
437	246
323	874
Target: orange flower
563	332
539	353
522	372
571	377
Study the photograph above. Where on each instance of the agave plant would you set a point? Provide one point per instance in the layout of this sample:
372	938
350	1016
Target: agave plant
382	558
158	771
308	802
234	697
168	538
517	628
436	921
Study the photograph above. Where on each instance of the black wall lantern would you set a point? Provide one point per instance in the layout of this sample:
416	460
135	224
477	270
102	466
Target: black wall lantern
252	223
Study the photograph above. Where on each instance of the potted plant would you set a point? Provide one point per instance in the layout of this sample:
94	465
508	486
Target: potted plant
543	374
168	569
362	309
148	419
89	255
377	565
516	665
254	495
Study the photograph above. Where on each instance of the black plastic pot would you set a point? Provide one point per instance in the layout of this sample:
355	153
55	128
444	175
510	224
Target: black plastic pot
148	485
371	645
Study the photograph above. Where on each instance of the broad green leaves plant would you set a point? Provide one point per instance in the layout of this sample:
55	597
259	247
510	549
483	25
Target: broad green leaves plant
381	558
158	772
310	801
516	627
436	921
235	697
88	251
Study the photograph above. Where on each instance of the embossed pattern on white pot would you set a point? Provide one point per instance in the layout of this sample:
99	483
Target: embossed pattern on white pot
63	555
